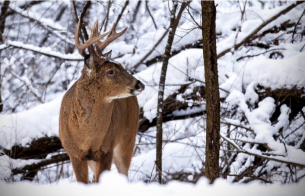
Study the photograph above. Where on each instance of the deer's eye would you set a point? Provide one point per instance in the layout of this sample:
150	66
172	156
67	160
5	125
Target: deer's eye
110	72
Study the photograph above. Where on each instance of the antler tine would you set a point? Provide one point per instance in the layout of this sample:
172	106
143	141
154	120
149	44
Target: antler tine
113	35
94	37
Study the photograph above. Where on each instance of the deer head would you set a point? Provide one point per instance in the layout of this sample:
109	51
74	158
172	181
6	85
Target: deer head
110	75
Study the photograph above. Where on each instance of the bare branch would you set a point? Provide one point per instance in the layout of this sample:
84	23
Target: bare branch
295	27
149	52
55	29
151	16
120	15
254	55
271	158
28	86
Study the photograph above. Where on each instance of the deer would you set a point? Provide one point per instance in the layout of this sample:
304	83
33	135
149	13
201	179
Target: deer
99	114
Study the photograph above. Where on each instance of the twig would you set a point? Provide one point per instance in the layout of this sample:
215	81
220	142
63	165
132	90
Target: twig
120	15
295	27
149	52
183	6
254	55
152	18
32	90
238	29
197	24
106	19
42	23
57	18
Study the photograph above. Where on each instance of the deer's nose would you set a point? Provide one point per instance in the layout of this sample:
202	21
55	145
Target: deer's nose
139	86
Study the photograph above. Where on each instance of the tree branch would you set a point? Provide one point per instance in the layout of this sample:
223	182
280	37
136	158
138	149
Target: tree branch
275	158
44	51
149	52
120	15
151	16
43	22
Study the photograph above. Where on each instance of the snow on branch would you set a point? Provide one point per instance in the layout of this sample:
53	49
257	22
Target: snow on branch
45	23
249	37
277	158
28	85
45	51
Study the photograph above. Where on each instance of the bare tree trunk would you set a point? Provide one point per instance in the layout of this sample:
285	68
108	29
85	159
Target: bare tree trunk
212	90
3	15
167	54
161	92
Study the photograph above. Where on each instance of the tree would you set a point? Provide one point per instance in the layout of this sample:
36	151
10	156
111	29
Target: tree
212	90
172	29
161	93
4	9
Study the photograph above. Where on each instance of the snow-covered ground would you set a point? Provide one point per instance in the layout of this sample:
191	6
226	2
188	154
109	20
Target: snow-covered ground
114	184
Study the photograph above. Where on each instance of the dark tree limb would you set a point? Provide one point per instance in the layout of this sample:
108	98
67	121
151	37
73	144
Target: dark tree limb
30	171
37	149
120	15
151	16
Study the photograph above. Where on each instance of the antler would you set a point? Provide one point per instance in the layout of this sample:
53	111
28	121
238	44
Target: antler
112	36
95	39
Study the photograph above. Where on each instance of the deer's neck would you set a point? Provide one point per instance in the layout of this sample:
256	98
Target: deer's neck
92	107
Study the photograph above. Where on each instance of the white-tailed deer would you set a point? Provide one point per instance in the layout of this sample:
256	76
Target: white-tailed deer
99	114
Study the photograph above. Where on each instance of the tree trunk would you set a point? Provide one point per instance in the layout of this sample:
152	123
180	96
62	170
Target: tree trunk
159	136
4	9
212	90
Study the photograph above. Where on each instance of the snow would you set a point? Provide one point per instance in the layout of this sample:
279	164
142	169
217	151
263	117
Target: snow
23	127
47	51
288	72
114	184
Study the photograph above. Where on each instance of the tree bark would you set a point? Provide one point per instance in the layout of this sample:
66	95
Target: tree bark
212	90
161	92
3	15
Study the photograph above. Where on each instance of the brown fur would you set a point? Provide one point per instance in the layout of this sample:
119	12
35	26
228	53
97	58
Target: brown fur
96	126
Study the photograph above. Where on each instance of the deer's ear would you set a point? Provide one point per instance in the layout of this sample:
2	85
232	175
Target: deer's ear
108	54
89	61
